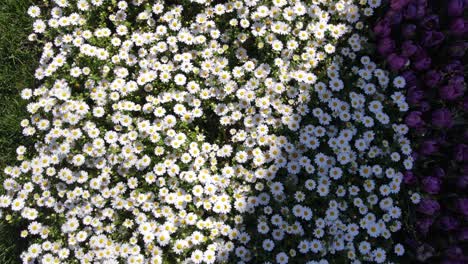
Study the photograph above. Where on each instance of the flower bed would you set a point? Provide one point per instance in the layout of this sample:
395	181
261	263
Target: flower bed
425	41
199	131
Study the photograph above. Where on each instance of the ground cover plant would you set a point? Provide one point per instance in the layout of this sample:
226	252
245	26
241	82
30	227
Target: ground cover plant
201	131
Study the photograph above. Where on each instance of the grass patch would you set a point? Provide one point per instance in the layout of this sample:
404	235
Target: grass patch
18	60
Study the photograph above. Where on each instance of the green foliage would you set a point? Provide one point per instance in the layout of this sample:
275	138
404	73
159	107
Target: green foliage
17	64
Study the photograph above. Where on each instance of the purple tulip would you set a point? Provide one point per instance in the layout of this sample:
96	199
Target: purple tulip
396	62
428	206
455	7
414	120
442	118
431	185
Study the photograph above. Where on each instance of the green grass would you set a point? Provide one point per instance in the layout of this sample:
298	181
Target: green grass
18	59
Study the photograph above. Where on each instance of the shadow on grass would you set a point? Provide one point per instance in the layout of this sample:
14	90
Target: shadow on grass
17	64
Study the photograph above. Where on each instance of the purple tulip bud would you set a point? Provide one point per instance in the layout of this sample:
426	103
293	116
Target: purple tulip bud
465	169
459	26
465	106
429	147
454	67
410	78
386	46
428	206
396	17
439	172
409	177
432	38
408	48
455	7
448	223
411	11
462	182
382	28
462	205
452	261
430	22
431	185
396	62
398	4
458	49
424	106
422	9
415	96
461	152
432	78
463	234
412	243
425	251
408	31
422	63
454	252
450	92
424	224
414	120
457	80
442	118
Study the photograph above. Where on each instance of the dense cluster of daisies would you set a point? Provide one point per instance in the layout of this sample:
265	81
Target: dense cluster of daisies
202	131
